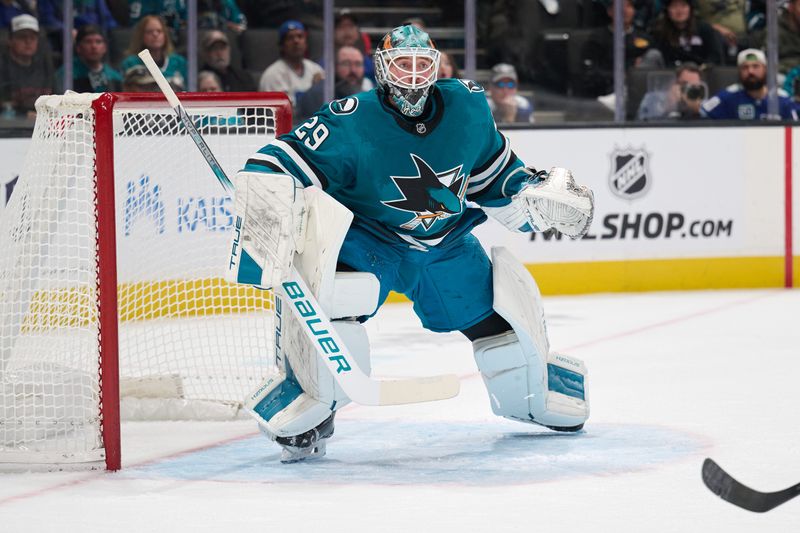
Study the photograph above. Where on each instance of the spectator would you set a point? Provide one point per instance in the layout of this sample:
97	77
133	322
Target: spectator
747	100
208	82
173	12
95	12
792	85
681	99
447	67
506	105
215	52
25	72
729	20
139	80
349	80
292	73
347	33
788	37
221	15
90	73
597	53
151	33
11	8
681	36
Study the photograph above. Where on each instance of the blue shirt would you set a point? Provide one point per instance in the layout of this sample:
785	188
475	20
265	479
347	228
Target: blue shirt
734	103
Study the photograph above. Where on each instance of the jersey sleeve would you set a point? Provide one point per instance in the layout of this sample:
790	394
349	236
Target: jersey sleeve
713	108
319	152
498	174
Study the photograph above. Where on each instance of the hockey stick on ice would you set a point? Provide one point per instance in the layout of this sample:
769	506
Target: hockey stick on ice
723	485
329	346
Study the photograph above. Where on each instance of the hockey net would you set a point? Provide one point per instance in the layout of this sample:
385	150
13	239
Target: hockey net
112	250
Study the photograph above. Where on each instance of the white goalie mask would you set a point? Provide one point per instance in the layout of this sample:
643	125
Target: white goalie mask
406	67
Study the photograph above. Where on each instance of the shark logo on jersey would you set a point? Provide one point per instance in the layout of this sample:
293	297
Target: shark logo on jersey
430	195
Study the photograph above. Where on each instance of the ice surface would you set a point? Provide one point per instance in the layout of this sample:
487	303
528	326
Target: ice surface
674	377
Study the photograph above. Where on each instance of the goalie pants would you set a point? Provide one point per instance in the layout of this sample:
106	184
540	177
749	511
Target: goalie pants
450	284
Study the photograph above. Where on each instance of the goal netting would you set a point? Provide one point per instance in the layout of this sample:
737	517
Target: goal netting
112	252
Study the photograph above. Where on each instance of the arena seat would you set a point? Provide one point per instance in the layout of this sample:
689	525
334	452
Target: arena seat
259	48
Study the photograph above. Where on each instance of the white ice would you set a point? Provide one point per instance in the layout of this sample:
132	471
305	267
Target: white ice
674	377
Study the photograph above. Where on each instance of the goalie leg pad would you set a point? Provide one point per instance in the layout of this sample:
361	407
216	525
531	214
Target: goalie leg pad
524	386
524	379
292	401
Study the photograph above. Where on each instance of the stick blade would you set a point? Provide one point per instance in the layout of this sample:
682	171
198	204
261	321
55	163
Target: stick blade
429	389
726	487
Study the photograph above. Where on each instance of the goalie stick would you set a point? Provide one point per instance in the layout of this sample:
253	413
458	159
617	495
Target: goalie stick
358	386
723	485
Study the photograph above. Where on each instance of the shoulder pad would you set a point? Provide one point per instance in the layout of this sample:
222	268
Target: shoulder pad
456	85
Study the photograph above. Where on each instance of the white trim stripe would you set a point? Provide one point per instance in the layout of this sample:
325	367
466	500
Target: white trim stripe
505	181
424	243
495	167
270	159
481	186
297	160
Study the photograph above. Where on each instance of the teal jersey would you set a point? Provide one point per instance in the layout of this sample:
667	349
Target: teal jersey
404	178
86	81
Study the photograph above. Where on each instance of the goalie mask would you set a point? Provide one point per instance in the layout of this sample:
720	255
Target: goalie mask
406	66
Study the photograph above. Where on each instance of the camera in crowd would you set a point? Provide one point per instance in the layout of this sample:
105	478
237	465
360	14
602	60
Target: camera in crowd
695	92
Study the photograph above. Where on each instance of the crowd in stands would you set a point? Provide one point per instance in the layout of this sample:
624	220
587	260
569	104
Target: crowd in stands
684	59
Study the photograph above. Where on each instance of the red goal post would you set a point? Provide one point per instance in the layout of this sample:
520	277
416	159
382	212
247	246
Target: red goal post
114	243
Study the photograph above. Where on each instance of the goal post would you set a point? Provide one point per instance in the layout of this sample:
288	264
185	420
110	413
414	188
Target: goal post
112	253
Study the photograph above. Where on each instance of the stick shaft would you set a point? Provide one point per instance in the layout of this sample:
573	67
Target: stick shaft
183	116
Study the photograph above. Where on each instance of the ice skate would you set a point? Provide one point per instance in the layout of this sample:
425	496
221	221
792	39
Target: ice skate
309	445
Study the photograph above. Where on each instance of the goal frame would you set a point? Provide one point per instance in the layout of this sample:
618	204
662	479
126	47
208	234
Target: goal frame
106	246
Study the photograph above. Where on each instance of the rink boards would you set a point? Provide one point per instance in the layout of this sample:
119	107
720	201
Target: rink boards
677	208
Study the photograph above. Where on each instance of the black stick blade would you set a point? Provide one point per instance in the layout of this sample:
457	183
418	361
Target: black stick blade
723	485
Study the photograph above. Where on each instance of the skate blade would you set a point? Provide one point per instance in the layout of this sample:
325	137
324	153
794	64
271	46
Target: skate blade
297	455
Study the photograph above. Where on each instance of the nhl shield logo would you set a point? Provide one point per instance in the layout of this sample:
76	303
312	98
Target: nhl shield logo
630	172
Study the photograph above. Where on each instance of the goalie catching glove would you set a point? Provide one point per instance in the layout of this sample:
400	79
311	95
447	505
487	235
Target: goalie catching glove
269	228
554	201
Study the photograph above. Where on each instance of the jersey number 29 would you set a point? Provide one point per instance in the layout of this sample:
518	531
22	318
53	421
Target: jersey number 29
311	133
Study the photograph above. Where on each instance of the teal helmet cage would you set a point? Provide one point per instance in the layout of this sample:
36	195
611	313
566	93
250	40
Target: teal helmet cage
406	67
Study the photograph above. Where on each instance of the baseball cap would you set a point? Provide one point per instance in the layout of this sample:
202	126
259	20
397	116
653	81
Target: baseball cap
503	71
345	14
86	30
288	26
212	37
24	22
751	54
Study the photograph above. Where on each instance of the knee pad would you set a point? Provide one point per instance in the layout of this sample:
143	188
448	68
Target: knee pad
525	381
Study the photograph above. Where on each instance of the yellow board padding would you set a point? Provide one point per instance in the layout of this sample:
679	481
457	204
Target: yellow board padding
188	298
796	271
655	275
75	307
